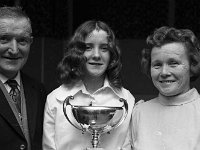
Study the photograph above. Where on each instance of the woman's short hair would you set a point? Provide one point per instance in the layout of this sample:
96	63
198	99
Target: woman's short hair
165	35
70	67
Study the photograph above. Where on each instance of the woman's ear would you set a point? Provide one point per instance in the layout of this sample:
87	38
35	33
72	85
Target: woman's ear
195	69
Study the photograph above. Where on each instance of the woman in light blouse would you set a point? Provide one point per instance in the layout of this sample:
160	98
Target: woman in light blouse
90	72
171	120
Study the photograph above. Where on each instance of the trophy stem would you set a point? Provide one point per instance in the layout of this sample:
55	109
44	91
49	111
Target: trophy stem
95	138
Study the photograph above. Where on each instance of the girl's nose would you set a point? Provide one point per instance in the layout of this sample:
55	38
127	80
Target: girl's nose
96	52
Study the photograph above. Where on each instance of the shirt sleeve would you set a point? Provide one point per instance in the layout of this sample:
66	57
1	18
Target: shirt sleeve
48	128
134	124
128	144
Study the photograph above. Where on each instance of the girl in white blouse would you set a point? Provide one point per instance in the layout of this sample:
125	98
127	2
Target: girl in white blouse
90	72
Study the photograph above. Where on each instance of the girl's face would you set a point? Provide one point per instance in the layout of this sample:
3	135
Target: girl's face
97	53
170	69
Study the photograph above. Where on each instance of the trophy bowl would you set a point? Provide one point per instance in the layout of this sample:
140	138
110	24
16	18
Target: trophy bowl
95	119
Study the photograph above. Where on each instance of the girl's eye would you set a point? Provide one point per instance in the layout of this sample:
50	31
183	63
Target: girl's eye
88	47
105	49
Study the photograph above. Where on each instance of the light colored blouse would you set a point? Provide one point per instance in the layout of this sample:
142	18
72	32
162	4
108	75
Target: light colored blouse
59	134
161	124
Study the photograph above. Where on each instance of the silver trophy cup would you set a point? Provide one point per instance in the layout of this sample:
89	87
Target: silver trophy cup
95	119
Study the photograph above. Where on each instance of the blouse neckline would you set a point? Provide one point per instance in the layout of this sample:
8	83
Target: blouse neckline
182	99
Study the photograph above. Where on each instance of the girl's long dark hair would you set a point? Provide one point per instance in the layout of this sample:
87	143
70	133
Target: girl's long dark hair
70	67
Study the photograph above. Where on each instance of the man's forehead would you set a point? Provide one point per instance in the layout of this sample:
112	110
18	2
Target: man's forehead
15	26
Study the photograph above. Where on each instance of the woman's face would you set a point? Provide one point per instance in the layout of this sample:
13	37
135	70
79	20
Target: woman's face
97	53
170	69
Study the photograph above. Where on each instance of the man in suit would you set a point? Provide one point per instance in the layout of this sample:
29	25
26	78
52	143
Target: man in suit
22	99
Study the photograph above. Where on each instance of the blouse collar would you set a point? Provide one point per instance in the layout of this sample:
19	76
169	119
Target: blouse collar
182	99
65	91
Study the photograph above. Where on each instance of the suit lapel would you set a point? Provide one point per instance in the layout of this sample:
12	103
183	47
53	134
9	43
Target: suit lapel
31	103
7	113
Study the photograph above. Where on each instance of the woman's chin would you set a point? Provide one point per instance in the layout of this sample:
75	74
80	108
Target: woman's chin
168	94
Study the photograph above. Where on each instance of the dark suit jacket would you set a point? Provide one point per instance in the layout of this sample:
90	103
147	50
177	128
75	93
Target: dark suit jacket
11	135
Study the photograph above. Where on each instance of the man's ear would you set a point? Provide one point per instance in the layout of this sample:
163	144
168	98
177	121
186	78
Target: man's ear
31	39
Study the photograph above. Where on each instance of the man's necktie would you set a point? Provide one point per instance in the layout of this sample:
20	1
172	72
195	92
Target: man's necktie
15	93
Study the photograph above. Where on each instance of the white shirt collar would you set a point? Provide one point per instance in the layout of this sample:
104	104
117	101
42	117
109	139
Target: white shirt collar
65	91
4	78
107	85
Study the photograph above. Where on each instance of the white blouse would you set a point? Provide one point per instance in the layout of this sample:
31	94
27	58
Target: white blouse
59	134
161	124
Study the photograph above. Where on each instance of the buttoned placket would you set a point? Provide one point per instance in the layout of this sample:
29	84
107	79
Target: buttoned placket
92	99
92	96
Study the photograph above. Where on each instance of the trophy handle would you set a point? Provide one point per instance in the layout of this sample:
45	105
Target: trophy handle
125	112
65	104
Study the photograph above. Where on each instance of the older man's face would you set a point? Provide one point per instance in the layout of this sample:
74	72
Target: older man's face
15	41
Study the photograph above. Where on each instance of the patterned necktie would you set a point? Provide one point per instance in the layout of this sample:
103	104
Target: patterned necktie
15	93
